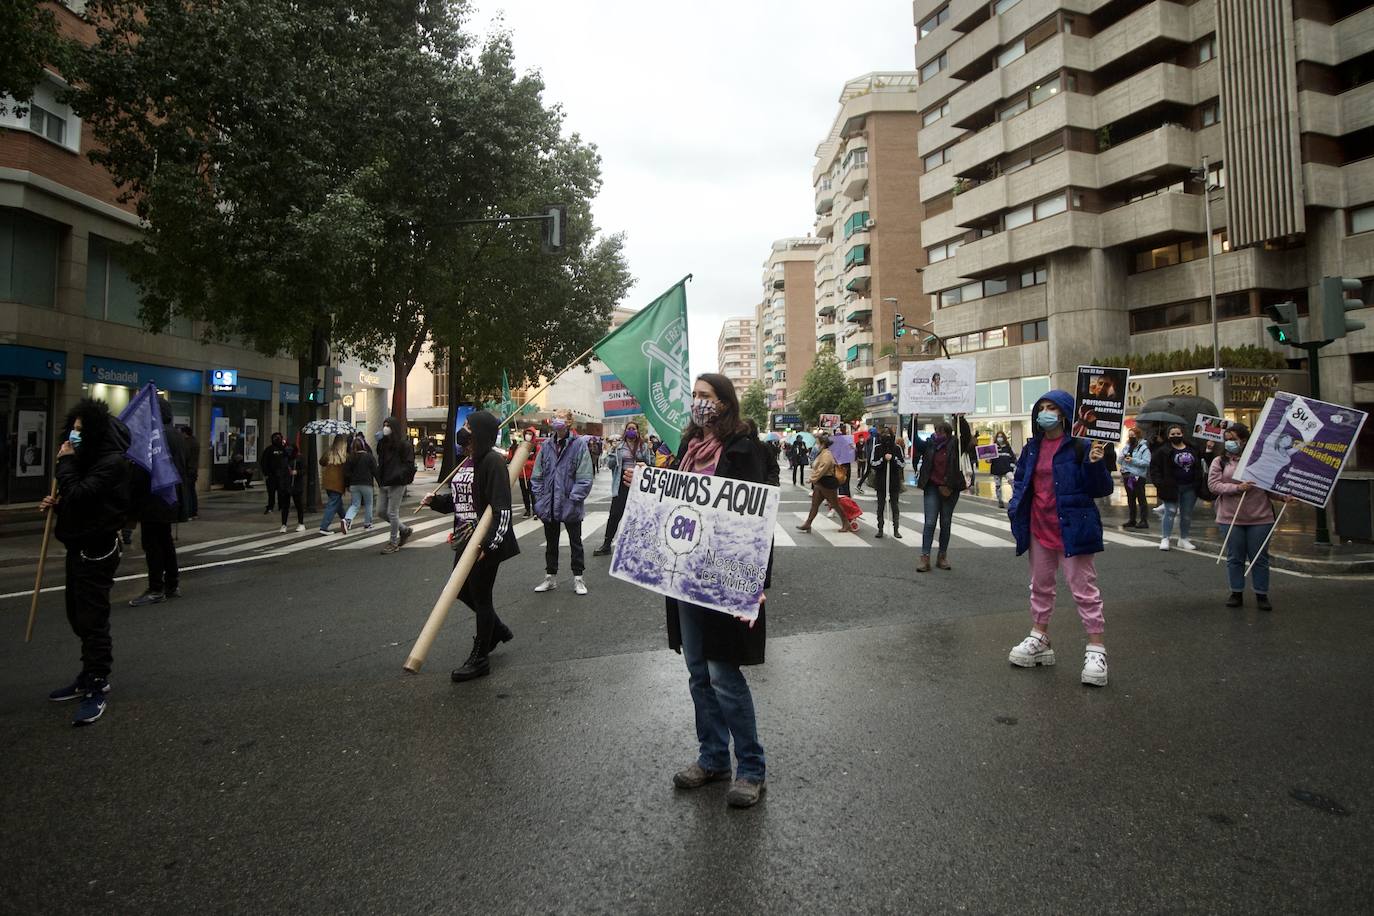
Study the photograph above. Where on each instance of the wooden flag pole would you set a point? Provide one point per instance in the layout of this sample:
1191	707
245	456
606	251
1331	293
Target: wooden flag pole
1231	527
42	561
1277	519
439	613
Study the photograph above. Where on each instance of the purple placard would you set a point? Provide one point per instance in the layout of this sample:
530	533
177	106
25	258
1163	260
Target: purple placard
1299	447
697	538
842	449
986	452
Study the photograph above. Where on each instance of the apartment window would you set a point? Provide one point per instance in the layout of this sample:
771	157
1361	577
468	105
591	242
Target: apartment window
1216	176
856	158
942	251
1362	219
857	222
1001	6
1014	109
28	259
1051	206
1207	49
1011	52
47	124
1019	217
1032	389
934	114
1044	91
933	67
936	159
1033	276
1221	242
994	338
995	286
1031	331
1001	394
1211	113
933	22
971	291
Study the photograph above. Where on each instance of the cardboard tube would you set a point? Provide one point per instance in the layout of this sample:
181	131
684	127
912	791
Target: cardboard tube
42	560
420	651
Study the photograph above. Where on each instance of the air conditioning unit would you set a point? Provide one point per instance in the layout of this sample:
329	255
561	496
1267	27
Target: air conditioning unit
869	224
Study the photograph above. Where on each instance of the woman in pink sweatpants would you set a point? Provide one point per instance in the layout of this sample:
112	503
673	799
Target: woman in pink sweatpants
1054	518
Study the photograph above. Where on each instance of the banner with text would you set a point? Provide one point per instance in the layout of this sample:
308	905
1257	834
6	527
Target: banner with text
1299	447
616	400
1099	410
1210	428
937	386
697	538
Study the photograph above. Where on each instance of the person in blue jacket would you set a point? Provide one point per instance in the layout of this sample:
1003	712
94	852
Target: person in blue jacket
1054	517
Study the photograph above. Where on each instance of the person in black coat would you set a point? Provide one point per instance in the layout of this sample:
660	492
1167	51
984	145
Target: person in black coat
192	473
480	482
1177	471
716	645
92	502
290	478
797	456
156	517
270	464
1003	466
887	465
941	476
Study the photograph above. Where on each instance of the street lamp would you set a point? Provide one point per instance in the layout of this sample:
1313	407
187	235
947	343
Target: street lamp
1217	374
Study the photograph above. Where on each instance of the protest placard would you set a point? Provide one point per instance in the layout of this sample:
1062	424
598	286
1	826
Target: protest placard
697	538
1210	428
1099	410
830	421
842	449
936	386
986	452
1299	447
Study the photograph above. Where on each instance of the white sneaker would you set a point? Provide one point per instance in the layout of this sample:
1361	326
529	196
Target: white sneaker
1186	544
300	527
1095	667
1031	651
324	531
1163	543
1159	509
579	587
549	584
283	529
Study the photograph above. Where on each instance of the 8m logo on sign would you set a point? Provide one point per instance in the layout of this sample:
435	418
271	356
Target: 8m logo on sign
682	530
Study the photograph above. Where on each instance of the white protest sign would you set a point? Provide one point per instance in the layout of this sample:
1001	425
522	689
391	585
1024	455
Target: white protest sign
936	386
697	538
1303	418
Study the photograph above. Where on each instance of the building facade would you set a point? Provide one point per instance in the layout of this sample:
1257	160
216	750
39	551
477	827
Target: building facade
786	318
1075	154
868	214
737	352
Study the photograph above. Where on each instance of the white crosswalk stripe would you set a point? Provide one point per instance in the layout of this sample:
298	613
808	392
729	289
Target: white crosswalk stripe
377	540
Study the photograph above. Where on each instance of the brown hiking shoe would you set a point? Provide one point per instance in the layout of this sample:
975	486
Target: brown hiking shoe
695	776
745	794
925	563
941	562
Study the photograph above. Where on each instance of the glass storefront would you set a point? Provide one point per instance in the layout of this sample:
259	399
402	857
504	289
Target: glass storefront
29	425
239	430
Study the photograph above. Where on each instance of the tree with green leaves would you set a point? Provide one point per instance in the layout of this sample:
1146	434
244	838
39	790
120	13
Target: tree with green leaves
754	404
30	42
825	389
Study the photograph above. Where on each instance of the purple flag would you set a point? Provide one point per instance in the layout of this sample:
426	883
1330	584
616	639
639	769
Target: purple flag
147	448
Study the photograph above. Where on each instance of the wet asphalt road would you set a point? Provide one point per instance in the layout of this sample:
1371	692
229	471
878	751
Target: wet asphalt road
264	753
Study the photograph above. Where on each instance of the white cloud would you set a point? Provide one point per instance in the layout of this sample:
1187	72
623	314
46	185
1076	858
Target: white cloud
707	116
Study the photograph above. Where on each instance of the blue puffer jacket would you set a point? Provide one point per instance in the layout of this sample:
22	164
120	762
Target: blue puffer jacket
1077	482
561	482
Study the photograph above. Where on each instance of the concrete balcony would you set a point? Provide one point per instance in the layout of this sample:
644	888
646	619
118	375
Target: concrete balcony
860	338
859	309
940	275
1157	85
858	278
975	51
825	198
1162	216
979	204
825	332
1357	108
827	306
1153	29
1336	43
937	229
990	311
937	182
1164	149
859	370
825	227
1241	269
992	255
855	182
940	134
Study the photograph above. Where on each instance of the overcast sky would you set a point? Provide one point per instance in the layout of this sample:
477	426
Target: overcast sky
707	115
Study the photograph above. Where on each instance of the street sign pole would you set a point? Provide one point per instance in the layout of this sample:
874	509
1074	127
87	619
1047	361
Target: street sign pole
1314	381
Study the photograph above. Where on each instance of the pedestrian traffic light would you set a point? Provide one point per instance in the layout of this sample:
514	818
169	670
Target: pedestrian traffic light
555	228
1339	295
1286	329
898	325
311	387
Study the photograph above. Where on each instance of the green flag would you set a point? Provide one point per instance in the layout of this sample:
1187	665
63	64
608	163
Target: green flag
507	405
648	354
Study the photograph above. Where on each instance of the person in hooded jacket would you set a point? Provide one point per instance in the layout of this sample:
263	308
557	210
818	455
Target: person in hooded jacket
270	464
91	503
1054	516
291	485
561	481
156	517
631	451
360	473
481	481
396	463
888	464
714	645
941	476
1002	466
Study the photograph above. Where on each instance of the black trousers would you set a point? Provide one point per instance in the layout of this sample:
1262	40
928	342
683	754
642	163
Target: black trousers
848	478
192	497
886	494
90	575
796	469
552	533
1136	501
271	486
161	555
617	510
476	593
526	495
286	497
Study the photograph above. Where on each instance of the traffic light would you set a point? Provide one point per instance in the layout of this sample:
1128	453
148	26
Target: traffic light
333	385
1339	295
1286	329
555	228
311	387
898	325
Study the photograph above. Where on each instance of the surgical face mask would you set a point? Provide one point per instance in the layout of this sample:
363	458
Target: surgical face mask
559	425
632	434
529	437
74	437
1047	419
704	410
386	430
1232	447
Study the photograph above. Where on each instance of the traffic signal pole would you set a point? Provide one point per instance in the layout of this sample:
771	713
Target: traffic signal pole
1314	382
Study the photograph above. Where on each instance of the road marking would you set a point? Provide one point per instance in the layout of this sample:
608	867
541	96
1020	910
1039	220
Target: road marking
835	538
205	545
782	537
373	540
28	592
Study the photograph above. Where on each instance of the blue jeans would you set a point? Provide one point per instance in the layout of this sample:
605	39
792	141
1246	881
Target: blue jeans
941	507
1183	508
724	705
361	495
1242	546
332	506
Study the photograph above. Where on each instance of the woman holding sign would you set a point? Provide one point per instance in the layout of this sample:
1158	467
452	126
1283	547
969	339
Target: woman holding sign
1054	517
716	645
1245	515
1176	472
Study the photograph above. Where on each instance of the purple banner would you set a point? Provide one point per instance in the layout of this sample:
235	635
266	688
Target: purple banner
842	449
1299	447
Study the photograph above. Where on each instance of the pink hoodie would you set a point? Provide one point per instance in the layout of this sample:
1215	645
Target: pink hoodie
1257	510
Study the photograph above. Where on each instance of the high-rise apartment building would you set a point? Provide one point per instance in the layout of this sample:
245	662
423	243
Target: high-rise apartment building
1065	199
786	318
868	214
737	352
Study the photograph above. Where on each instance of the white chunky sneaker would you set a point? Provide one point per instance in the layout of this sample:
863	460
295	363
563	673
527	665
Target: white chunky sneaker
579	586
1185	544
549	584
1031	651
1095	667
1163	543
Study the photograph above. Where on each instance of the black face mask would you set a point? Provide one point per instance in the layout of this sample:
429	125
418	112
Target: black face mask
463	439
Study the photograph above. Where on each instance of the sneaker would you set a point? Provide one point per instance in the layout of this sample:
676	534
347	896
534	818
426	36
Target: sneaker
696	776
1143	526
549	584
283	529
390	548
147	598
1236	600
477	665
345	526
405	536
1262	602
367	527
324	531
579	586
1130	524
1186	544
75	689
1163	543
1031	651
92	703
1158	510
603	551
300	527
1095	667
267	511
173	592
745	793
